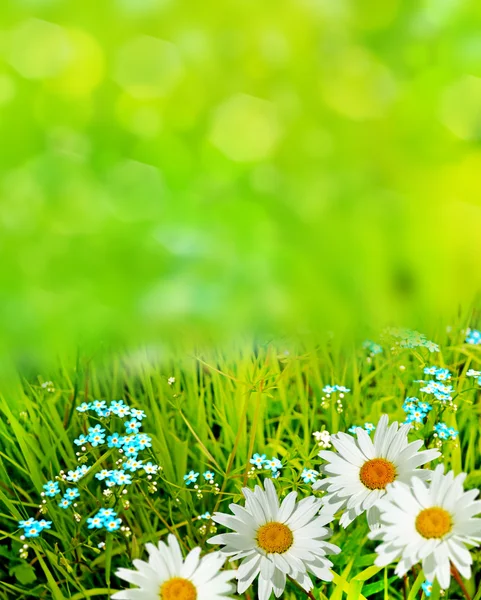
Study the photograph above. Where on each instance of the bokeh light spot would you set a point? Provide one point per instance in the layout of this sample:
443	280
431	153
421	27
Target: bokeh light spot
461	108
86	66
245	128
148	67
360	87
39	49
7	89
141	119
132	179
141	7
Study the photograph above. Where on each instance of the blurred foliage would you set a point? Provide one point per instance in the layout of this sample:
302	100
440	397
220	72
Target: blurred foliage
171	168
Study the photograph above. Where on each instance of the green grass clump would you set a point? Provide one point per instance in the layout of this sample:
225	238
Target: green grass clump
223	406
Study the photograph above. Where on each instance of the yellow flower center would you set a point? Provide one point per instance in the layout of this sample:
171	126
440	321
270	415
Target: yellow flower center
375	474
434	522
178	588
275	537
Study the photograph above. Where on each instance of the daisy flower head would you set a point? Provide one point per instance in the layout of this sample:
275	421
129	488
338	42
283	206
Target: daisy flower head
276	540
429	522
168	576
361	469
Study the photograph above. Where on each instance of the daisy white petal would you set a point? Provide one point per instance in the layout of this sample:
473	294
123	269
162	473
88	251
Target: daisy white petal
359	473
434	526
168	577
286	540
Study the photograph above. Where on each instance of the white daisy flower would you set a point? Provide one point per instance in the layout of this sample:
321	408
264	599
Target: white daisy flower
276	541
168	577
361	469
431	523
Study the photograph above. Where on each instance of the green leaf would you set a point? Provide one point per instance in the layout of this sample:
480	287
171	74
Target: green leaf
368	573
416	585
24	573
377	586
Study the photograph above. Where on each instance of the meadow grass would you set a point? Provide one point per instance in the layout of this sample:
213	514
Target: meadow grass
225	405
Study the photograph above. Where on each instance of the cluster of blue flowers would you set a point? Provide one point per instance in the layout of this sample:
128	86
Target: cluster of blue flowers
416	410
440	373
52	488
192	476
369	427
77	475
412	339
331	389
444	432
271	464
129	445
32	528
473	337
436	387
105	519
476	374
372	347
116	407
309	475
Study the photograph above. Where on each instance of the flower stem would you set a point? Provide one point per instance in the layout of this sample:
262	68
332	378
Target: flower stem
457	576
308	594
405	587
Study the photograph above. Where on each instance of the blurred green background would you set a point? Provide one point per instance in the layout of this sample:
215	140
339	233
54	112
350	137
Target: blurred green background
174	169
